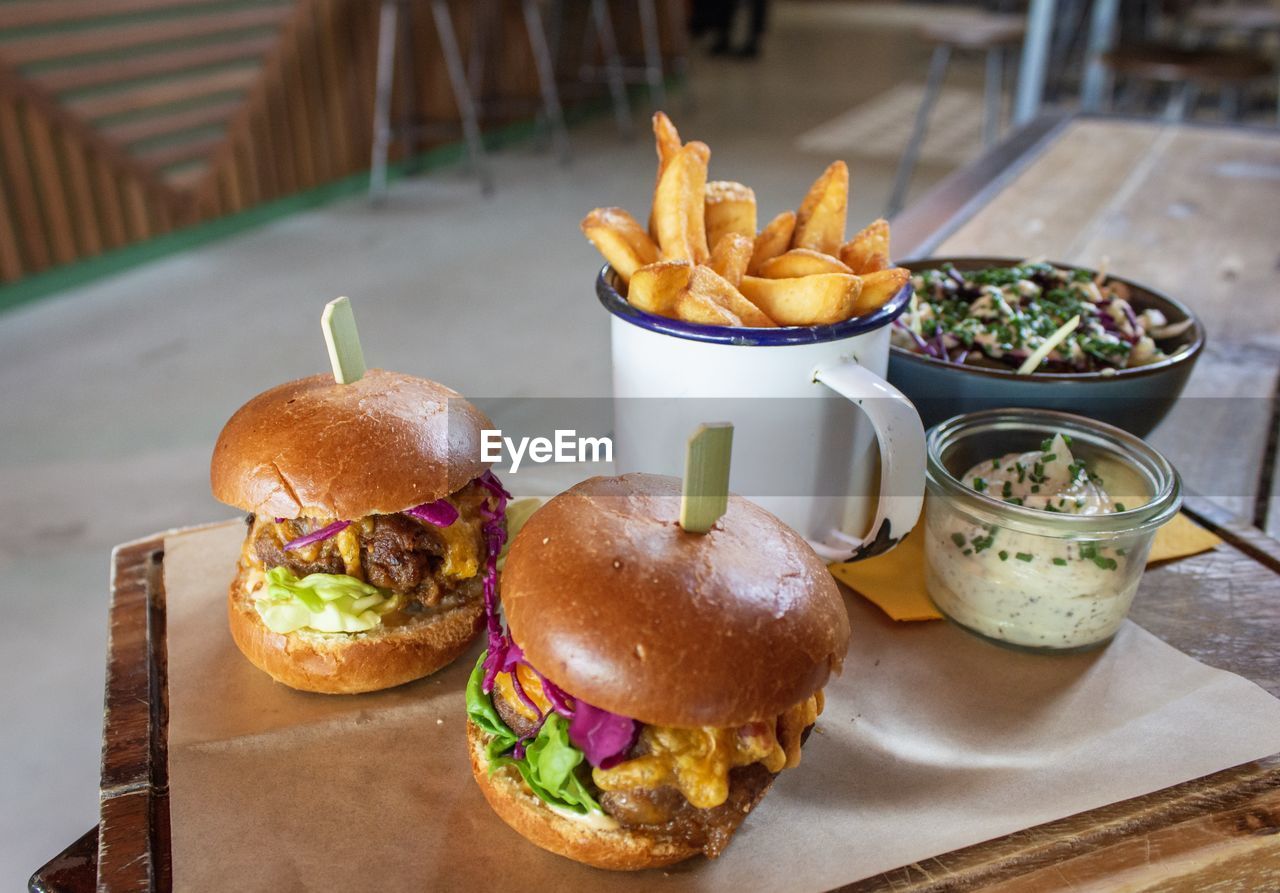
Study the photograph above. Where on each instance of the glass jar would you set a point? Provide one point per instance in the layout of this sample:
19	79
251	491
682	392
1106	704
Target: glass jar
1029	578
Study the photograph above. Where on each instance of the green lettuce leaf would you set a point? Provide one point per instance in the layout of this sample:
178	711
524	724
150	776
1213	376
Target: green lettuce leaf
550	765
482	712
327	603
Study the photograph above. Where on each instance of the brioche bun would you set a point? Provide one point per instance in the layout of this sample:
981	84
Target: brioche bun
315	448
351	663
615	603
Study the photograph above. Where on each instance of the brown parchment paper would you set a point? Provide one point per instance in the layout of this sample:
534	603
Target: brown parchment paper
931	740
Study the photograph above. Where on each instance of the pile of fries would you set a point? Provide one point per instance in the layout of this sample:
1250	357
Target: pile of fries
702	259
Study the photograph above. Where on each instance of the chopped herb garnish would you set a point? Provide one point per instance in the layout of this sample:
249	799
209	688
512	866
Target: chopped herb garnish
1024	556
1000	312
1120	507
979	484
1046	444
958	539
1004	556
1007	490
1060	562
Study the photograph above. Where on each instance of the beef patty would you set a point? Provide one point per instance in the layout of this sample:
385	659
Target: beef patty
397	552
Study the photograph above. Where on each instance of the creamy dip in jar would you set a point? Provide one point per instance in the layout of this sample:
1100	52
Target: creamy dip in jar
1037	536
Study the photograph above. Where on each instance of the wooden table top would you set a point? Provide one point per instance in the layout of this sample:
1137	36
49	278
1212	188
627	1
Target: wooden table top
1220	832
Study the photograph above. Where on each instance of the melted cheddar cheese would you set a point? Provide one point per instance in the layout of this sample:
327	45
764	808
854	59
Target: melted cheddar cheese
697	762
461	558
462	539
532	687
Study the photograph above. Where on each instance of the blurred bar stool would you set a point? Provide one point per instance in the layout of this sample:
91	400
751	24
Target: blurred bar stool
652	70
1188	72
395	45
486	33
599	21
977	31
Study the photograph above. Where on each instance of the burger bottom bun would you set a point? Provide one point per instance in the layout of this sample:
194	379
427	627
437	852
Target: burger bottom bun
357	662
622	849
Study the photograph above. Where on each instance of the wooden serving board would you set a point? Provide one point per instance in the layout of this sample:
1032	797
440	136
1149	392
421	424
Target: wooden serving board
1219	832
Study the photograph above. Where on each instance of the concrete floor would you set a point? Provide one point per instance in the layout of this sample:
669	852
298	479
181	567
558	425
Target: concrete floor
114	392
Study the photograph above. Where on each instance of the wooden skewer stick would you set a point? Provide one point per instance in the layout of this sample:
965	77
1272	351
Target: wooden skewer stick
705	496
343	341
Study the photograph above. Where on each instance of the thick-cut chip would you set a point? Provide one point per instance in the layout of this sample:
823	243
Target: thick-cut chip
657	287
696	294
868	251
801	262
695	307
666	140
772	240
705	282
807	301
730	257
622	241
879	287
821	217
678	206
731	208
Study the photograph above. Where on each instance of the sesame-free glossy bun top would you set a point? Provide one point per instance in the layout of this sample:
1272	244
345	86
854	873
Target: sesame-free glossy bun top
614	602
316	448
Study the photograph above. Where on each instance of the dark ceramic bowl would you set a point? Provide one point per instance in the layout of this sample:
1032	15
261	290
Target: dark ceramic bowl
1133	399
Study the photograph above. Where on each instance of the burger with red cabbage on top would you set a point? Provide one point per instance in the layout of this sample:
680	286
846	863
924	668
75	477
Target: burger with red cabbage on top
650	683
371	530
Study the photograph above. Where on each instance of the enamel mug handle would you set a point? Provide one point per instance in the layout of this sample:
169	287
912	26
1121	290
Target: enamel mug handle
900	435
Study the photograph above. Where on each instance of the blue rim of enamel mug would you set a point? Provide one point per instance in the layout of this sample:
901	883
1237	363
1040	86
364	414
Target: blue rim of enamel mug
616	304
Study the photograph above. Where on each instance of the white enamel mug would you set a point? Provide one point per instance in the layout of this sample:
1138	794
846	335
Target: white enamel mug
809	405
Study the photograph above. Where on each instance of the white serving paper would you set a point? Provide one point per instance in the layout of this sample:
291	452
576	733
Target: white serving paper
931	741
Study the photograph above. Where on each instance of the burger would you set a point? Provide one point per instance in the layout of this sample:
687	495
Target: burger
650	683
373	529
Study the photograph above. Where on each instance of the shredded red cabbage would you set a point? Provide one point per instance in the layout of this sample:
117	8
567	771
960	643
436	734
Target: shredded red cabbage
603	737
317	536
495	534
441	513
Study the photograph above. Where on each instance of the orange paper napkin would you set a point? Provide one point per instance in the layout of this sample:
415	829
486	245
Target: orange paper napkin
894	582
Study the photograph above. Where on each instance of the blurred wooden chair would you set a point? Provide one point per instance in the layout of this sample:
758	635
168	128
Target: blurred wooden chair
993	34
1254	23
1189	72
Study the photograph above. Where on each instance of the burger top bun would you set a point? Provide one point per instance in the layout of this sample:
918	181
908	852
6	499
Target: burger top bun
615	603
316	448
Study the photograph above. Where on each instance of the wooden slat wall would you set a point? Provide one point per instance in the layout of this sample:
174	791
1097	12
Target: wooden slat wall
66	190
286	112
